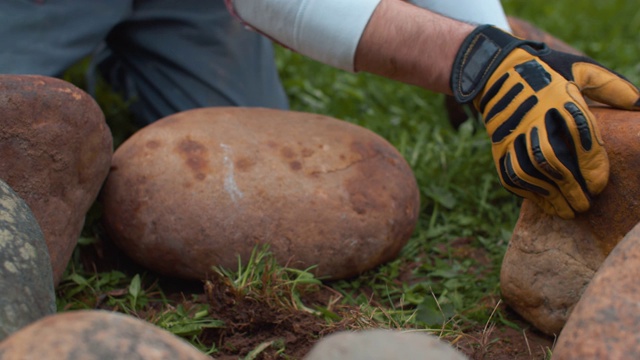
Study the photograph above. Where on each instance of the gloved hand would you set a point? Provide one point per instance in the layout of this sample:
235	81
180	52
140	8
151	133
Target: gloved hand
545	142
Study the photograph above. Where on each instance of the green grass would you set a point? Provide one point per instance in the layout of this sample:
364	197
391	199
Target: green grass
436	284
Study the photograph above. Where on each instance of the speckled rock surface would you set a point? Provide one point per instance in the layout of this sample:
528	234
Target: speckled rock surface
56	150
26	280
202	187
550	261
605	323
94	334
381	344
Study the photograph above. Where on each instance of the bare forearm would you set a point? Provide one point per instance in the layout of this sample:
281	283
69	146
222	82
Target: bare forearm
385	37
407	44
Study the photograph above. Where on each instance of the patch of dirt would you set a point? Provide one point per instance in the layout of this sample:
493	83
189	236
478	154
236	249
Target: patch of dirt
253	322
273	331
502	342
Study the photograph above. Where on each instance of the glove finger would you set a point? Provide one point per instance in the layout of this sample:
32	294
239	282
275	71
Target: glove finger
591	155
555	152
605	86
520	177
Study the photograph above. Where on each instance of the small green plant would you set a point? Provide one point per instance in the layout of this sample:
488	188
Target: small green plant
263	278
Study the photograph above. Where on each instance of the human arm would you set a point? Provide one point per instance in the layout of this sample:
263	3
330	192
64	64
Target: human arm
545	141
433	42
471	11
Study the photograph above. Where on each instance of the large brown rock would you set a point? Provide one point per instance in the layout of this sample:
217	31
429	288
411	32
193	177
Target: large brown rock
605	323
56	149
202	187
550	261
95	334
526	30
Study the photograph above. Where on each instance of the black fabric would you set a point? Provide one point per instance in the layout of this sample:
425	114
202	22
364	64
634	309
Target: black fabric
507	127
481	53
534	74
492	92
522	156
562	145
512	179
586	139
539	157
504	102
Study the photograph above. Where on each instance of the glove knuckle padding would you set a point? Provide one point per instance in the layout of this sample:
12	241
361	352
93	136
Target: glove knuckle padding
545	142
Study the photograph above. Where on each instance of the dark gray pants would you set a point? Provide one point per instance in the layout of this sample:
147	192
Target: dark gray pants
165	55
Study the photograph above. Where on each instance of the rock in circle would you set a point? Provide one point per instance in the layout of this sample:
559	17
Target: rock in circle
96	334
56	150
605	323
550	261
26	280
379	344
202	187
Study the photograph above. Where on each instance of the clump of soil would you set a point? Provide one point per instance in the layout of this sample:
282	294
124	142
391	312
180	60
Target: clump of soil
258	321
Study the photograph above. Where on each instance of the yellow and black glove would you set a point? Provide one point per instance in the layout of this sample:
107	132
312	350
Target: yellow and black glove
545	142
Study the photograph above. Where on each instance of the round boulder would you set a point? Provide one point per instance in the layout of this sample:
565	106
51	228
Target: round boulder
56	150
26	280
550	261
96	334
204	187
605	323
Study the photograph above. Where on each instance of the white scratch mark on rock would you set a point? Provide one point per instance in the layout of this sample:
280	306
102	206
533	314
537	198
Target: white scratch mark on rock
229	181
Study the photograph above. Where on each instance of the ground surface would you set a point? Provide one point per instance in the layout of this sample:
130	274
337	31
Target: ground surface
261	326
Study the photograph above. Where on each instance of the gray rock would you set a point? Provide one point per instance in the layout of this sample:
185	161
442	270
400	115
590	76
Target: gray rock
26	280
382	344
605	324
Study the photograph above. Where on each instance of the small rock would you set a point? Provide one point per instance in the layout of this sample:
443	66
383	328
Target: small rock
550	261
56	151
605	323
381	344
202	187
26	280
96	334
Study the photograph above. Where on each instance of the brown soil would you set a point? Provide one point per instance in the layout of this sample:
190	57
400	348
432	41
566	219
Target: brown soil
273	331
500	342
252	322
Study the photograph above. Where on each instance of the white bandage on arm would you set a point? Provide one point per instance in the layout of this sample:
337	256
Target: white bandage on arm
473	11
324	30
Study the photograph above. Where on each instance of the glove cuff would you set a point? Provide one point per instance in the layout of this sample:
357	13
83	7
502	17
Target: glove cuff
481	53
